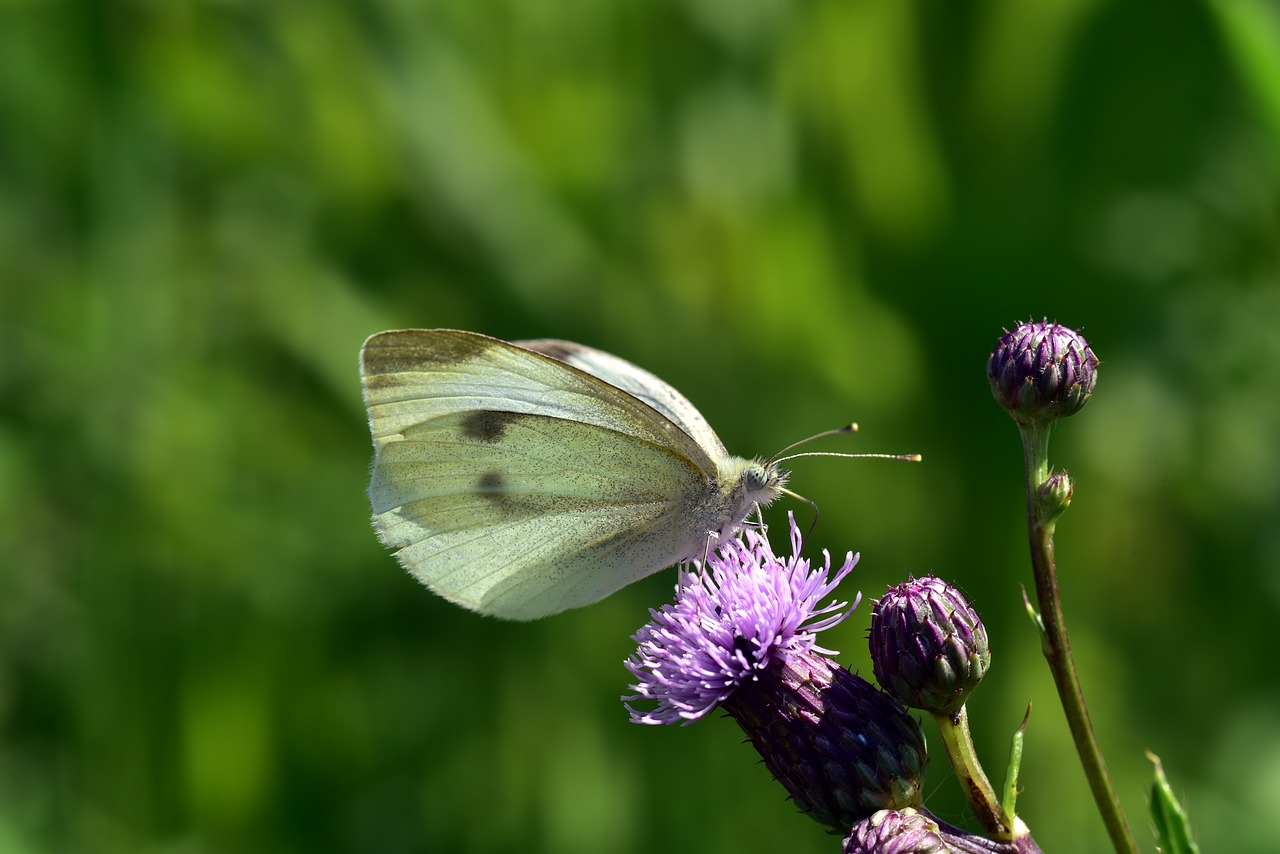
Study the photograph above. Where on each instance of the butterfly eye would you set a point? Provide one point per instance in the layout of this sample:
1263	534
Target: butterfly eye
756	477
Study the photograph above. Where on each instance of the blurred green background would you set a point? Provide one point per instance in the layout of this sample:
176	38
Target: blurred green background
798	211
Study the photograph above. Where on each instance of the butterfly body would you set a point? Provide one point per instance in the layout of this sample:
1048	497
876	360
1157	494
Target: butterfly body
521	479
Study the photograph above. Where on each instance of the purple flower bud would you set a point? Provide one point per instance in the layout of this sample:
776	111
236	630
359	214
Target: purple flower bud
895	832
1042	371
840	746
928	646
741	636
910	832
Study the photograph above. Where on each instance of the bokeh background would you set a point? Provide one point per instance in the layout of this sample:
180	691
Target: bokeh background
800	212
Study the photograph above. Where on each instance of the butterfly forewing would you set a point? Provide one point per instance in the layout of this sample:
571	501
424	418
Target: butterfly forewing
415	374
637	382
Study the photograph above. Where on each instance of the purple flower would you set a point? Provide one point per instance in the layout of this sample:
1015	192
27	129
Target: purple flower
747	610
741	636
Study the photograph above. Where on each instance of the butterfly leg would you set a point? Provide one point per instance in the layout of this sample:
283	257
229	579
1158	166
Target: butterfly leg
756	524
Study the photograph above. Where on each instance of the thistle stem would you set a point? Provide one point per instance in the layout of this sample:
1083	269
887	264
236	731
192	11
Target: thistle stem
978	791
1057	648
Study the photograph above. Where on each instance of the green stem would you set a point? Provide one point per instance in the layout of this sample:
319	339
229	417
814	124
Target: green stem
978	791
1057	648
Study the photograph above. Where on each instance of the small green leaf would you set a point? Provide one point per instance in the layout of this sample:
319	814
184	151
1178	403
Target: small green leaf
1173	830
1010	798
1033	614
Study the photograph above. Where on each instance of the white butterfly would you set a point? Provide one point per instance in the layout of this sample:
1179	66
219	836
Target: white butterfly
522	479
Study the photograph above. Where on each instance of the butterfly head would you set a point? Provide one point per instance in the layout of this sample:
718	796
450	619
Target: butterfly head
743	486
762	482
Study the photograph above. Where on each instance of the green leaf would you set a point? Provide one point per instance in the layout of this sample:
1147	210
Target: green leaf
1010	797
1173	829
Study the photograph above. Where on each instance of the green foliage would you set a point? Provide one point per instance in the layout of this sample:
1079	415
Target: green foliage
1173	830
1009	795
800	213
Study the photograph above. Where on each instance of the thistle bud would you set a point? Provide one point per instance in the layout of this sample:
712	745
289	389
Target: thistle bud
910	832
895	832
1042	371
928	646
1055	492
840	746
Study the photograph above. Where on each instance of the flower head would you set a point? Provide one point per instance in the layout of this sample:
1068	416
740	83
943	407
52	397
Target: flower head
928	646
910	831
895	832
741	636
1042	371
746	610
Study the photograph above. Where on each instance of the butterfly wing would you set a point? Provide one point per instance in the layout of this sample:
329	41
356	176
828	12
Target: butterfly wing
639	383
411	375
517	485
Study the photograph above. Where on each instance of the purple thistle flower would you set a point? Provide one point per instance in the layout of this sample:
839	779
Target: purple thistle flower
741	636
745	611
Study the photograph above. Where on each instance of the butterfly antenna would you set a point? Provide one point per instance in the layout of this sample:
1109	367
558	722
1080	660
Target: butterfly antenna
906	458
781	457
851	427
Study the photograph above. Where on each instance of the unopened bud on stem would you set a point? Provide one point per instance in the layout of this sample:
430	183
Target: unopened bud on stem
1042	371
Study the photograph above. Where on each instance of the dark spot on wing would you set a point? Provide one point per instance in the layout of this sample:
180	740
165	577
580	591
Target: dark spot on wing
407	350
488	425
493	486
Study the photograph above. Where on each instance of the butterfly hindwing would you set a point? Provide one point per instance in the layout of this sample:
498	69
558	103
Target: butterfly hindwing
548	515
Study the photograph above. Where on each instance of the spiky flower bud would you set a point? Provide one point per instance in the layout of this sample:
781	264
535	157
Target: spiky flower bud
1054	493
910	832
840	746
1042	371
928	646
895	832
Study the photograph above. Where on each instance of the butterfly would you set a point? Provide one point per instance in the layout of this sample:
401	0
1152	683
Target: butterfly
522	479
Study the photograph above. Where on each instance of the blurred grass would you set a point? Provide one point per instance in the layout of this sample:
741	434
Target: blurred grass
798	212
